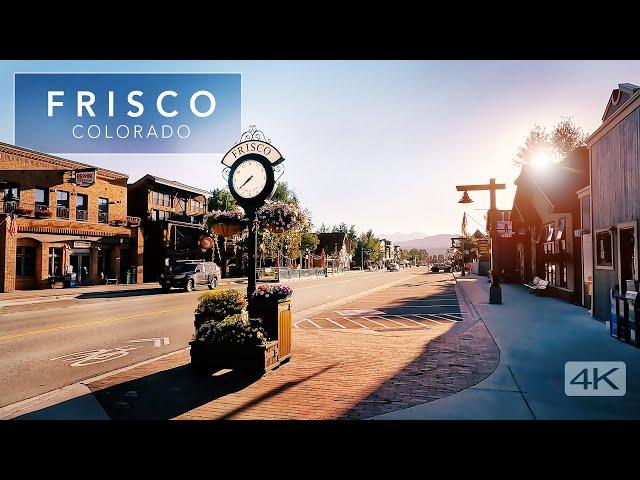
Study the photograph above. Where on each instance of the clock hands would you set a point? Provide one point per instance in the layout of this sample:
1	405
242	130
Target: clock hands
246	181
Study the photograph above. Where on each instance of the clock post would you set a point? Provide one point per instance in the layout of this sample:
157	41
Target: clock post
250	169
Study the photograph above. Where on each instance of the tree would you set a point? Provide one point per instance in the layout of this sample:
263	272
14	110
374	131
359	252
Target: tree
286	194
371	244
221	199
565	137
309	240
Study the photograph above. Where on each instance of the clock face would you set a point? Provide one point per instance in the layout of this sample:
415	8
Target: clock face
249	179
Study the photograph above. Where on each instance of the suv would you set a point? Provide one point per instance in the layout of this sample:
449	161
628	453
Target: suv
189	274
441	266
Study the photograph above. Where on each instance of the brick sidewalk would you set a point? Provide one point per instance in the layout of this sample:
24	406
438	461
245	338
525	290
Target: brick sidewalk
333	374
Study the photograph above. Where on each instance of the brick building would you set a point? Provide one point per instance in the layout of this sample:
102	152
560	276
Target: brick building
172	220
70	218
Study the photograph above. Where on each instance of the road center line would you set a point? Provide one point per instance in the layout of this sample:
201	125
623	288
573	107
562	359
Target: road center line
90	324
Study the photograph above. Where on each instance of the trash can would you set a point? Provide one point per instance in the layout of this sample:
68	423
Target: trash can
614	312
134	272
634	316
128	277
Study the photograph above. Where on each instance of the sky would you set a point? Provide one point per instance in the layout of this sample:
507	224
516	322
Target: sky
378	144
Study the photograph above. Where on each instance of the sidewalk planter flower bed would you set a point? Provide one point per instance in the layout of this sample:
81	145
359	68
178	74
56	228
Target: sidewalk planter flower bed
216	305
272	303
236	342
227	223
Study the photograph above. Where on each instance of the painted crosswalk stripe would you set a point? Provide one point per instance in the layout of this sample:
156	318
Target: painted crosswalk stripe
443	317
395	321
416	322
429	319
312	322
457	316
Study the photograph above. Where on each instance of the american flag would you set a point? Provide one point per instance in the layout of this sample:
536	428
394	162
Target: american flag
12	226
463	229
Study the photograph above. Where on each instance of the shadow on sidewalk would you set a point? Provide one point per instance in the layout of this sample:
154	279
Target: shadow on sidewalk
450	362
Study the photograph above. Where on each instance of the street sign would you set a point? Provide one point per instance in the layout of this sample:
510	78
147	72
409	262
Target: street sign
505	228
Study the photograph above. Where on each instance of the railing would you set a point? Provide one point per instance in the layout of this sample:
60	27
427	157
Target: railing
62	212
82	215
103	217
25	209
274	274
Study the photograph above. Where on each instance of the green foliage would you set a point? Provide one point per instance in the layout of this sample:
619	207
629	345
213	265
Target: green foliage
233	330
285	194
371	245
216	305
309	240
221	199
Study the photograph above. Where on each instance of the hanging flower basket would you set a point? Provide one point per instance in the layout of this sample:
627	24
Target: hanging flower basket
279	217
227	223
23	210
43	212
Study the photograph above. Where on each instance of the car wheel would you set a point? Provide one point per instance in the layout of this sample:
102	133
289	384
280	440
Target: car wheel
165	289
189	287
213	284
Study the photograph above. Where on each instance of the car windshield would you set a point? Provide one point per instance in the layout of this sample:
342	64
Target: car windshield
184	268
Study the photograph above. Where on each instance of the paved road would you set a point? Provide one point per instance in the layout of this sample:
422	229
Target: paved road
56	346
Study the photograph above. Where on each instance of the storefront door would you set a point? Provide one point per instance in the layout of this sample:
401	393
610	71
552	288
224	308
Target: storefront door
81	263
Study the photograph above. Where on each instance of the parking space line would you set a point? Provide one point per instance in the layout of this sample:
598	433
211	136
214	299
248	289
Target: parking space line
429	319
335	323
377	323
360	325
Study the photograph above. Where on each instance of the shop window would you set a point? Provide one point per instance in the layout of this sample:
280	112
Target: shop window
25	261
550	272
604	249
162	199
55	261
563	275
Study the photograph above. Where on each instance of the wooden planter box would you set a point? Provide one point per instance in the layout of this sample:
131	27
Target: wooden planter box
276	319
249	358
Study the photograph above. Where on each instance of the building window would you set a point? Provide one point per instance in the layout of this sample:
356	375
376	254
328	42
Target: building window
604	249
562	235
62	204
162	199
42	196
547	238
11	196
81	208
103	210
25	261
563	275
55	262
550	272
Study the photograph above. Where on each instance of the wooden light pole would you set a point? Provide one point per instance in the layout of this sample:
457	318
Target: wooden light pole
492	186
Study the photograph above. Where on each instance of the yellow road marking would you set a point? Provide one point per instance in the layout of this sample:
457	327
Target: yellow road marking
90	324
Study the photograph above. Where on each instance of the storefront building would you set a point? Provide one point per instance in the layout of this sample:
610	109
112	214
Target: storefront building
172	220
546	219
614	152
69	218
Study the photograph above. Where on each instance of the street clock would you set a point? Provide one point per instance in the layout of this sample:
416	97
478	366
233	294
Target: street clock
252	180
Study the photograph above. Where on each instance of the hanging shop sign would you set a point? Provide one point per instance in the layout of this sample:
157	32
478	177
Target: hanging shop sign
85	178
81	244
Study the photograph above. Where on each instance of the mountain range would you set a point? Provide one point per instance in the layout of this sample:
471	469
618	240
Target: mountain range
439	242
402	237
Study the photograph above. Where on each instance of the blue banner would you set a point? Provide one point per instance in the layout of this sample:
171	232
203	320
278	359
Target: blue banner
175	113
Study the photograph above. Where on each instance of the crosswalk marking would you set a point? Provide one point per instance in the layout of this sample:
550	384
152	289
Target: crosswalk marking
377	323
352	320
335	323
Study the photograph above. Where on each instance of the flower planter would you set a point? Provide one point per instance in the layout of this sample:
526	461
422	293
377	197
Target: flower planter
23	211
249	358
227	230
276	320
43	213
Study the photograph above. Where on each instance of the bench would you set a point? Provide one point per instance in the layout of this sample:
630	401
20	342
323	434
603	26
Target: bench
533	285
113	278
541	287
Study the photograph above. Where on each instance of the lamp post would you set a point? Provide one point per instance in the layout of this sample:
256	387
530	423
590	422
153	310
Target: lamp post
495	293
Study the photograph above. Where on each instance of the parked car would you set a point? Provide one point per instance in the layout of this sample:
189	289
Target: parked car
394	267
190	274
356	268
441	267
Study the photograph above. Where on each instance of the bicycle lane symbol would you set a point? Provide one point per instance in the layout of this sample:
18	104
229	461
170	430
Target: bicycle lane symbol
100	355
